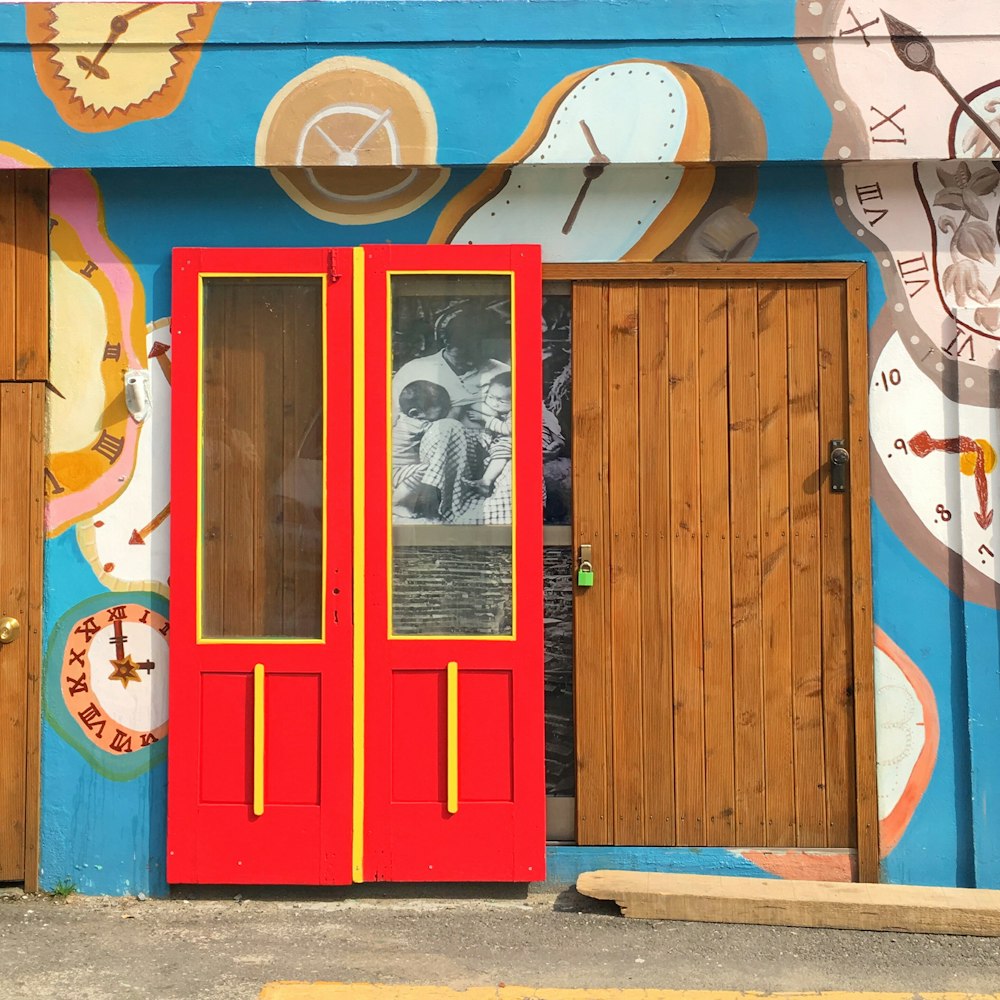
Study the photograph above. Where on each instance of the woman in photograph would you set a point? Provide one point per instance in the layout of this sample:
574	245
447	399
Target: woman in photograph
440	458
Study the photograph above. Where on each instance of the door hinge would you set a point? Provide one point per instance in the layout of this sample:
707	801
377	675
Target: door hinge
331	272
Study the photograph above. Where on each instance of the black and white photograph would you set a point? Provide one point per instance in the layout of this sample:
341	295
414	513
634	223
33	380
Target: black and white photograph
452	405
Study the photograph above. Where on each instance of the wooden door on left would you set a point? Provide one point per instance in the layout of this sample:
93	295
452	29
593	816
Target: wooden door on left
23	370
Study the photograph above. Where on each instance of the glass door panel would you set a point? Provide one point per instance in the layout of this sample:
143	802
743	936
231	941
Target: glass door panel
263	441
452	477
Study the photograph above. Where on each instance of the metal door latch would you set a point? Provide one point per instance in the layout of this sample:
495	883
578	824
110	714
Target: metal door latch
839	457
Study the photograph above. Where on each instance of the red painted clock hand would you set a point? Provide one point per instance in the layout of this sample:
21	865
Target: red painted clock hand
923	444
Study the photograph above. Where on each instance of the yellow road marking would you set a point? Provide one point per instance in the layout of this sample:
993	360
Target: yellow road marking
371	991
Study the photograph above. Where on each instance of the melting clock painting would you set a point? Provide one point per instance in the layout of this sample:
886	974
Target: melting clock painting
491	440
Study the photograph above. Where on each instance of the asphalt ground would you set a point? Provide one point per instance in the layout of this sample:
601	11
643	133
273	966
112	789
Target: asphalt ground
215	946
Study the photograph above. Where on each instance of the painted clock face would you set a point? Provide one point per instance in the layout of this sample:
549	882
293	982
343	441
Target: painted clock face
583	182
106	65
933	228
934	466
98	334
906	739
107	681
895	75
346	113
127	542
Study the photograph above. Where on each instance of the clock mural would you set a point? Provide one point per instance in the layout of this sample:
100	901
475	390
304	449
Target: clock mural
99	332
106	682
892	84
346	113
633	197
916	117
106	65
127	543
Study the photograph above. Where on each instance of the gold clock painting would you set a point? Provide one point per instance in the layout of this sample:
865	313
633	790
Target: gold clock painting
106	65
99	329
346	113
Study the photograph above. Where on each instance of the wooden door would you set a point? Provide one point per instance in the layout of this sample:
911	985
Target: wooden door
24	364
449	426
261	638
723	656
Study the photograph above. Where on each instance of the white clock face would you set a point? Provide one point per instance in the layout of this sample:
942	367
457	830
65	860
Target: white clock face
635	112
942	287
600	178
536	204
936	471
885	105
127	543
141	703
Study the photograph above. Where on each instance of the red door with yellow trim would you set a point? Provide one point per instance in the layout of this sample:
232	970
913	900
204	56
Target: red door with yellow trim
261	540
356	670
454	755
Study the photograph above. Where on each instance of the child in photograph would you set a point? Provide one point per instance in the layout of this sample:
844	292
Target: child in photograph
421	403
496	433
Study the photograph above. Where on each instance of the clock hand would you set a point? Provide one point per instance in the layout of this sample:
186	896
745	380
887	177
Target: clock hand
591	172
340	153
119	25
119	640
371	131
916	53
574	211
598	156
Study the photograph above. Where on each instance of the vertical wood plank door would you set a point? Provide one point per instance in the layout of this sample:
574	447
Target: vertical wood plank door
21	433
24	275
721	649
261	605
24	365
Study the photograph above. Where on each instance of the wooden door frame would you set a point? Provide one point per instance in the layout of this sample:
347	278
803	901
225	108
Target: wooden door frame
854	276
24	359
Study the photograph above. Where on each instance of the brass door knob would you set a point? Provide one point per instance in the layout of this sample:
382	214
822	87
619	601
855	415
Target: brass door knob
10	629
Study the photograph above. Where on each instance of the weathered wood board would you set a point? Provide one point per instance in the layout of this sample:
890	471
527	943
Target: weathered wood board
854	906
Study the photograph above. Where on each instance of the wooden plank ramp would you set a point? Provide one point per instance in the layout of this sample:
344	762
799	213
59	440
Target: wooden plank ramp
854	906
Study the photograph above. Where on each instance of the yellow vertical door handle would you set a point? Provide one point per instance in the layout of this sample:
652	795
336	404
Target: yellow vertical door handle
452	737
258	740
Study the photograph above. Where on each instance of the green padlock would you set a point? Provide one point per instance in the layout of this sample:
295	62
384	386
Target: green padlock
585	575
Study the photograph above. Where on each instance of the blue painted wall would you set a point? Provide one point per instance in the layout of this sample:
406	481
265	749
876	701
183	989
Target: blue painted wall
484	67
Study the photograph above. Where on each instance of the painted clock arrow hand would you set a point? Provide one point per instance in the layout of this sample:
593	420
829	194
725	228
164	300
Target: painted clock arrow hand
923	444
916	53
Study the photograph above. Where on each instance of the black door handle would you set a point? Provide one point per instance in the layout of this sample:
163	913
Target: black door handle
839	457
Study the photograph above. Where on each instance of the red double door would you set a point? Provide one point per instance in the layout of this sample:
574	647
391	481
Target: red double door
356	600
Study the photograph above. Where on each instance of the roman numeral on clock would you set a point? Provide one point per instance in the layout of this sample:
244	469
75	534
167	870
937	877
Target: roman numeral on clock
109	446
867	193
888	119
52	485
911	269
858	27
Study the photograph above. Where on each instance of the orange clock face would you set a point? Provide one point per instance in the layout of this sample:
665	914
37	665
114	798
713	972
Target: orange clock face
345	113
105	65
